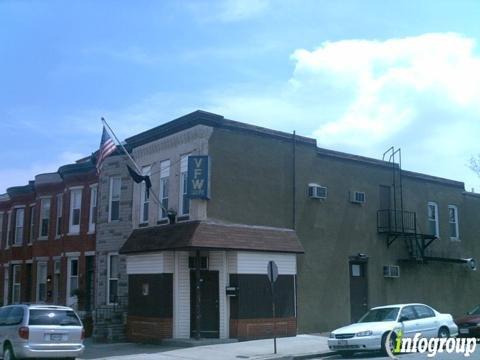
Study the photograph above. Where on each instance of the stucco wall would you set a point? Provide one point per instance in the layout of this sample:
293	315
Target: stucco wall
252	184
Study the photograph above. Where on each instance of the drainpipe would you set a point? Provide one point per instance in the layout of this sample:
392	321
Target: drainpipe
198	295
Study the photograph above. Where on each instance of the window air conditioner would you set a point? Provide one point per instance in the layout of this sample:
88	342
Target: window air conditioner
316	191
391	271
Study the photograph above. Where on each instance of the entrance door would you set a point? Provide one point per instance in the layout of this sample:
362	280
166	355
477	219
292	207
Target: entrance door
358	289
209	310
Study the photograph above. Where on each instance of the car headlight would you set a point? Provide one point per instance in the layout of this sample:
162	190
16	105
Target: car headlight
332	336
364	333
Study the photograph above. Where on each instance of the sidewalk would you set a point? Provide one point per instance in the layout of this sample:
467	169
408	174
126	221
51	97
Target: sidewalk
287	348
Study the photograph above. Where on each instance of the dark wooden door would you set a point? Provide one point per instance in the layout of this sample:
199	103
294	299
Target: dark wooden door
209	309
358	289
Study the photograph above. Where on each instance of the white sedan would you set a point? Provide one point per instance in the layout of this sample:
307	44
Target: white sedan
370	332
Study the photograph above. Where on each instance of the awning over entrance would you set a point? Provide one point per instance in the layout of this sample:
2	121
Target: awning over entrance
211	235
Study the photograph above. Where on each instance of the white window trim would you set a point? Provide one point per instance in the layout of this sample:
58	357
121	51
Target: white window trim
17	227
91	224
31	224
110	198
2	217
164	175
37	292
40	237
75	229
181	185
69	271
109	278
456	238
437	221
57	235
146	170
9	229
15	282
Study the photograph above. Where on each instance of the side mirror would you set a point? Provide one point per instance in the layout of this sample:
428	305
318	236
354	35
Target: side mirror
403	318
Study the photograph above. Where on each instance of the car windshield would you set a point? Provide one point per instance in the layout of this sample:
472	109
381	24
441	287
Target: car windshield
475	310
383	314
53	317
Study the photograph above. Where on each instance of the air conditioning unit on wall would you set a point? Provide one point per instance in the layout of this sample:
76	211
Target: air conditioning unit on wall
316	191
357	197
391	271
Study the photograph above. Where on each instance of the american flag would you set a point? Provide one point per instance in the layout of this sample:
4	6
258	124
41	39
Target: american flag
107	146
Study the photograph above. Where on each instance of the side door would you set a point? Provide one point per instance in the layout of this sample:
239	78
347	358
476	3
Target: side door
408	317
427	321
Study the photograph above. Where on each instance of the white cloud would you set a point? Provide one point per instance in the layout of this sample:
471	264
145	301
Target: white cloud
362	96
236	10
227	11
20	176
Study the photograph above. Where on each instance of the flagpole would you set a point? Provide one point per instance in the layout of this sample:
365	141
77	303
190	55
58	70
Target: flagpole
155	196
119	143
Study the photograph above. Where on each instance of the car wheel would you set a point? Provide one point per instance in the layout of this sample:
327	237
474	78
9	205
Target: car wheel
391	343
443	332
8	353
345	353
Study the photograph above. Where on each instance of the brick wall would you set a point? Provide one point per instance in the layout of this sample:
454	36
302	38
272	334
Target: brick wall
245	329
148	329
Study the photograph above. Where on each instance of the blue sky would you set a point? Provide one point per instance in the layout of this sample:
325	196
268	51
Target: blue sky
360	76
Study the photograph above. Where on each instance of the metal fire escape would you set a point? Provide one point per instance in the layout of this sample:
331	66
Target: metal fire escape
397	223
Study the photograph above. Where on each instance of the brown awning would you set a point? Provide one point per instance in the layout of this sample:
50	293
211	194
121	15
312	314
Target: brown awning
209	235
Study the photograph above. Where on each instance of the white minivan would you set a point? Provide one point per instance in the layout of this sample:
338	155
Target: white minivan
40	331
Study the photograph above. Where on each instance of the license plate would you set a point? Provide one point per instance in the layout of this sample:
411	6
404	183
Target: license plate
56	337
463	331
342	342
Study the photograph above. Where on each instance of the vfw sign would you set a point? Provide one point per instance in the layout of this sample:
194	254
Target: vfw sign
198	177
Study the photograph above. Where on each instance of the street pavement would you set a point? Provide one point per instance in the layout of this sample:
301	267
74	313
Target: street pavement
415	356
287	348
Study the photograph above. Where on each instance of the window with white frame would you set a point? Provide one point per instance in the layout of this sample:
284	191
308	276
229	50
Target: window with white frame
112	274
73	276
75	209
44	217
19	221
184	200
433	227
16	283
93	209
144	196
32	224
453	221
41	281
9	228
114	208
59	214
1	229
164	175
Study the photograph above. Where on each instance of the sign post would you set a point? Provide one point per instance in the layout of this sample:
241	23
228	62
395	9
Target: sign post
272	273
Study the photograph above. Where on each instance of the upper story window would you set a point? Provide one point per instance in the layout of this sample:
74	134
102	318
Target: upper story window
19	221
9	227
184	200
433	228
164	175
75	209
114	202
93	209
32	224
1	229
59	214
44	217
453	221
144	197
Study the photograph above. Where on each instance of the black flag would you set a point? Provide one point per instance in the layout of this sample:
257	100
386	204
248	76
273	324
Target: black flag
139	178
